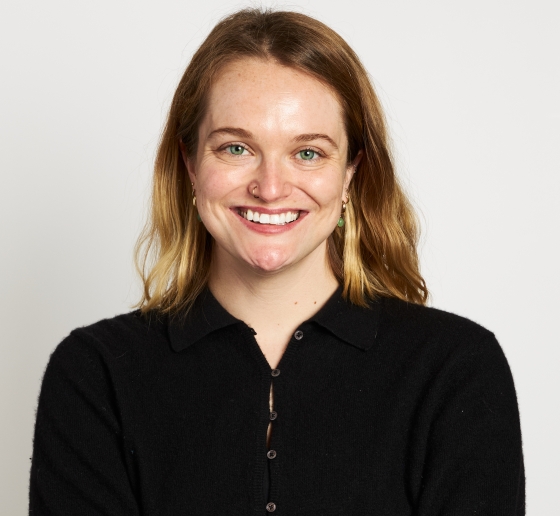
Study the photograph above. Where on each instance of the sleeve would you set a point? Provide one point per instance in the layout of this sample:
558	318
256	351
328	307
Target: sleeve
78	465
474	460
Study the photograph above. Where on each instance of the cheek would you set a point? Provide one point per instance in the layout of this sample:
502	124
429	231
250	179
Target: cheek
216	180
212	189
214	184
326	189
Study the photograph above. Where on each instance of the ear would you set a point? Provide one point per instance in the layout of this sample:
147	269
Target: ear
189	163
351	170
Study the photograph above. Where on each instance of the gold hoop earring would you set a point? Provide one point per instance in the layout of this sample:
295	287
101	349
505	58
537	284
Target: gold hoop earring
194	202
340	222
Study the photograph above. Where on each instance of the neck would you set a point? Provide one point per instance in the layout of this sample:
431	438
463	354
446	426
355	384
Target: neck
273	301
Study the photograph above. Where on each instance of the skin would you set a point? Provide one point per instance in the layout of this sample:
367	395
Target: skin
262	121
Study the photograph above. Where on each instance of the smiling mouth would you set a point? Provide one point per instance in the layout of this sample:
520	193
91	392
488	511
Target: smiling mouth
274	219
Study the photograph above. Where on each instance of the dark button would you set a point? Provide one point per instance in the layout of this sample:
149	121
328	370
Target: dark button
275	373
271	454
273	415
298	335
270	507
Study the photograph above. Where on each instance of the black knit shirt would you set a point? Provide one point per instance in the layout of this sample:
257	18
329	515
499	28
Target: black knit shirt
392	410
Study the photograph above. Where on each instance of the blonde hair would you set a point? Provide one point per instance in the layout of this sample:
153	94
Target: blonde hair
374	254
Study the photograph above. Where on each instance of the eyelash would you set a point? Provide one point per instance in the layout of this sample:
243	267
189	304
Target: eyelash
225	148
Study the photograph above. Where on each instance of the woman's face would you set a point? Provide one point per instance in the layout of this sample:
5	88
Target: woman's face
276	133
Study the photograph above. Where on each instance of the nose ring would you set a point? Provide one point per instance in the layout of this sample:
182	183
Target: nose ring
253	192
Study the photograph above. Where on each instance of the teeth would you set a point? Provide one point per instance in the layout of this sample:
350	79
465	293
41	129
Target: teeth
275	219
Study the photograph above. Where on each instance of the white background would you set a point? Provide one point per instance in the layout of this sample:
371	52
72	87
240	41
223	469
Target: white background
471	91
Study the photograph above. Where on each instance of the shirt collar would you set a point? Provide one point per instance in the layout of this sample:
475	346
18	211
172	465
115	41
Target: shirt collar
353	324
206	316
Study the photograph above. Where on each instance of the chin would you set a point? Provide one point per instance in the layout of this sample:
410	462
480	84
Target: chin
270	261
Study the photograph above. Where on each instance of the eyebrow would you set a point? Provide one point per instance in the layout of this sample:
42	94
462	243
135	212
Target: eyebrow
315	136
234	131
242	133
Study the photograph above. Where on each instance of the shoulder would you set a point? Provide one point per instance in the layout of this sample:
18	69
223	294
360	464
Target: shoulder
437	339
417	321
447	354
120	342
124	331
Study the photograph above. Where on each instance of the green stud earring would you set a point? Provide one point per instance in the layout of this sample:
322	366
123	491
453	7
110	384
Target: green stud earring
198	217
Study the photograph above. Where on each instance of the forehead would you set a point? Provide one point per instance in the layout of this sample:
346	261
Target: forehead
261	95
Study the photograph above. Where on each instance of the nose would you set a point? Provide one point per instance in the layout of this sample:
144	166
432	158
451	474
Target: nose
272	181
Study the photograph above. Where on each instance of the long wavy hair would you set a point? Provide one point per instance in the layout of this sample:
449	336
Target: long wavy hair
373	254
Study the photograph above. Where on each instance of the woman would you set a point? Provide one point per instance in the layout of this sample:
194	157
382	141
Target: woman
281	360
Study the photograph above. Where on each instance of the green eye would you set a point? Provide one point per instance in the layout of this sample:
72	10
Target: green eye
236	150
307	154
